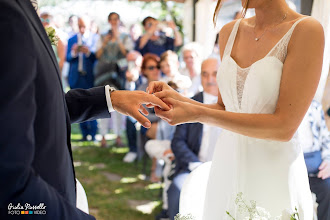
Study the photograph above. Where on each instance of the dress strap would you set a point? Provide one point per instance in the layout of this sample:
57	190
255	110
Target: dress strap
231	39
280	49
294	26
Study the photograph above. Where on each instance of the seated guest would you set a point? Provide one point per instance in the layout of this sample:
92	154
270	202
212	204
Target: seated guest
169	65
150	69
316	146
133	80
154	40
192	67
194	143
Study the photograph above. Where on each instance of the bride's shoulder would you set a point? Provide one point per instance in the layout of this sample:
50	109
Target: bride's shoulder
307	30
227	28
308	23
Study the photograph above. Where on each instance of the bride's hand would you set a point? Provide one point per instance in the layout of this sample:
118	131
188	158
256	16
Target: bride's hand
163	90
180	112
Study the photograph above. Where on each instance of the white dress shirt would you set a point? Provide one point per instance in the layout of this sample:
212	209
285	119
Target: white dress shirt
209	138
210	133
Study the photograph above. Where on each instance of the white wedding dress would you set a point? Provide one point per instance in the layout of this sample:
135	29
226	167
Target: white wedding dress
272	173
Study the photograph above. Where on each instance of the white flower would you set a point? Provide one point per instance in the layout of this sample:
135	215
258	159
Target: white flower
263	213
185	217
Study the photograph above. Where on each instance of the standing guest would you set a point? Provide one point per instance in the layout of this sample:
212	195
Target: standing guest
192	67
73	24
154	41
316	147
81	57
59	49
111	51
193	144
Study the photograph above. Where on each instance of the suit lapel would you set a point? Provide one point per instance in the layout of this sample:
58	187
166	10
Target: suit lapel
35	21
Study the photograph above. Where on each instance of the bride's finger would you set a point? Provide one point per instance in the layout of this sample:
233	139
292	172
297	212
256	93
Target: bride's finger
153	100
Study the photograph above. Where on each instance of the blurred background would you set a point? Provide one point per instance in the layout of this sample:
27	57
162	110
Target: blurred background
109	43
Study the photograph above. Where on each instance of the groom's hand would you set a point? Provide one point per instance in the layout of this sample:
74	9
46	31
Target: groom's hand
130	103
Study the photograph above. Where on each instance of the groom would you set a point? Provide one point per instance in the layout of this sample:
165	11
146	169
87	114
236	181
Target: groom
37	179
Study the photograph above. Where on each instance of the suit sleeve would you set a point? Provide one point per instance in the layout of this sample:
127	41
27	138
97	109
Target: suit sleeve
87	104
180	148
19	183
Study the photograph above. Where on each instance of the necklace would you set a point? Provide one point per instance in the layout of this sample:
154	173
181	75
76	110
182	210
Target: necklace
266	29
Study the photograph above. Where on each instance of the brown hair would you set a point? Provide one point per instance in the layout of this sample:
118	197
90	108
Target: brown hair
147	57
217	9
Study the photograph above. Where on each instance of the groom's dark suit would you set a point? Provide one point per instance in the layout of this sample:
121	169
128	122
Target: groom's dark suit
35	152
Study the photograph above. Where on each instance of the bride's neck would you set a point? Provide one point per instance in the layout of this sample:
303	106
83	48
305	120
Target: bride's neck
270	13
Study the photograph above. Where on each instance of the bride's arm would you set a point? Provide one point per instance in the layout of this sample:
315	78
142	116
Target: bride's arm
300	77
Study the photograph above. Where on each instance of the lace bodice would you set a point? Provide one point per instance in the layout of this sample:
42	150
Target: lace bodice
279	51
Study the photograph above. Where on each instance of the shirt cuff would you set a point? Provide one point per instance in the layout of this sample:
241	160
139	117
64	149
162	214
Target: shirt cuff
108	98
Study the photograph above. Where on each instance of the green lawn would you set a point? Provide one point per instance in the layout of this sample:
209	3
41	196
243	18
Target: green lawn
115	190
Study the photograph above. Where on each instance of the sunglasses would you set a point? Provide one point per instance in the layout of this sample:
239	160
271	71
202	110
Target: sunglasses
152	67
45	20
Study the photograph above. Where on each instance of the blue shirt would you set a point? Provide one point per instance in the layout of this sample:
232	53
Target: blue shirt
157	47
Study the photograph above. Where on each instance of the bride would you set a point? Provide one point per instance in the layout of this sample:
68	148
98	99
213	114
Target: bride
271	66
